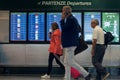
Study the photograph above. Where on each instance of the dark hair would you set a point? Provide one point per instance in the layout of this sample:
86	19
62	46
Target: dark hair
55	26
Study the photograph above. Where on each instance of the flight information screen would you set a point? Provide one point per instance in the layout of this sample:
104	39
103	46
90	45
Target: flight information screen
88	16
52	17
110	22
18	26
77	15
56	17
36	27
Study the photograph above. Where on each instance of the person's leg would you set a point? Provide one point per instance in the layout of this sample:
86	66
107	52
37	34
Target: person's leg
67	67
71	62
97	61
57	58
98	73
50	61
102	55
104	72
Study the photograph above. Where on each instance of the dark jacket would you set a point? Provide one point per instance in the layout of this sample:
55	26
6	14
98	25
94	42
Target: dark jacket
69	31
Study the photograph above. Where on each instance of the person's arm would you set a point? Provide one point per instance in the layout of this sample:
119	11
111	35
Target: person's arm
93	46
50	34
94	42
62	21
70	22
57	44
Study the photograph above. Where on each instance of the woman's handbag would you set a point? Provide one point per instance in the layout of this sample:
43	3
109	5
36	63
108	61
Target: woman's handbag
81	46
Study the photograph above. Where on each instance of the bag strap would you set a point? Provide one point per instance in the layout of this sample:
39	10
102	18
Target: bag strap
106	45
80	30
104	30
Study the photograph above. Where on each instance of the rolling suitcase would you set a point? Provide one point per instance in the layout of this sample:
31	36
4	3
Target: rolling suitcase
75	73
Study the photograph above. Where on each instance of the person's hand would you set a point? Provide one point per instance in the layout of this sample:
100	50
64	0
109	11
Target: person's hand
63	15
49	34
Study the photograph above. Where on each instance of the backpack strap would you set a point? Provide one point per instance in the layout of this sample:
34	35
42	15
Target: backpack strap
104	30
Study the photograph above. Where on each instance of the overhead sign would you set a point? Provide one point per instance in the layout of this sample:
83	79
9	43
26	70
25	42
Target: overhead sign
72	3
48	5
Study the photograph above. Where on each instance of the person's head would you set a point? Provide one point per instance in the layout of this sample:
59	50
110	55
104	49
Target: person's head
54	26
94	23
67	10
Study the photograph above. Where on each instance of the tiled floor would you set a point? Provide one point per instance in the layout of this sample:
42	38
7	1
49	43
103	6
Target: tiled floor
37	77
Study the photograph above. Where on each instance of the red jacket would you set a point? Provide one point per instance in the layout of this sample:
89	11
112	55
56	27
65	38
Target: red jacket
55	42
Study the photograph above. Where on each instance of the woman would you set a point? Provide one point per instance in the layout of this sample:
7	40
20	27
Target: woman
55	49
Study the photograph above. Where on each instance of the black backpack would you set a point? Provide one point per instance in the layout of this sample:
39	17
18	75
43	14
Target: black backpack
108	37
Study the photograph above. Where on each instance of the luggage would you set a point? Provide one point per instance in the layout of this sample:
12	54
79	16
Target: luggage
81	46
75	73
108	37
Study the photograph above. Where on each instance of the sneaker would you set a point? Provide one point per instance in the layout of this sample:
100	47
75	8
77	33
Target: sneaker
45	76
88	77
105	76
64	78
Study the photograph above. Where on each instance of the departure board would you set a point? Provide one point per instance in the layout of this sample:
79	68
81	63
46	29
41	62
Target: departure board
18	26
52	17
110	22
56	17
36	26
88	16
78	15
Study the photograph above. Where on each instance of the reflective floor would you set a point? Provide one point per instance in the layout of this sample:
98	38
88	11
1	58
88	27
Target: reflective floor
37	77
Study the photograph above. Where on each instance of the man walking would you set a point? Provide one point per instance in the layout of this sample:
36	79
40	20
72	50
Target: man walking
98	50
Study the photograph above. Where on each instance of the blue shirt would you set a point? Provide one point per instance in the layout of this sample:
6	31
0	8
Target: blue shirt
70	31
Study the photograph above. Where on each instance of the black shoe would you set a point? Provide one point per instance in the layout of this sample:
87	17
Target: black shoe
88	77
98	77
105	76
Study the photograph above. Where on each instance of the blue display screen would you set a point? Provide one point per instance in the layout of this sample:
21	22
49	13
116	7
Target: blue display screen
36	27
18	26
52	17
88	16
77	15
56	17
